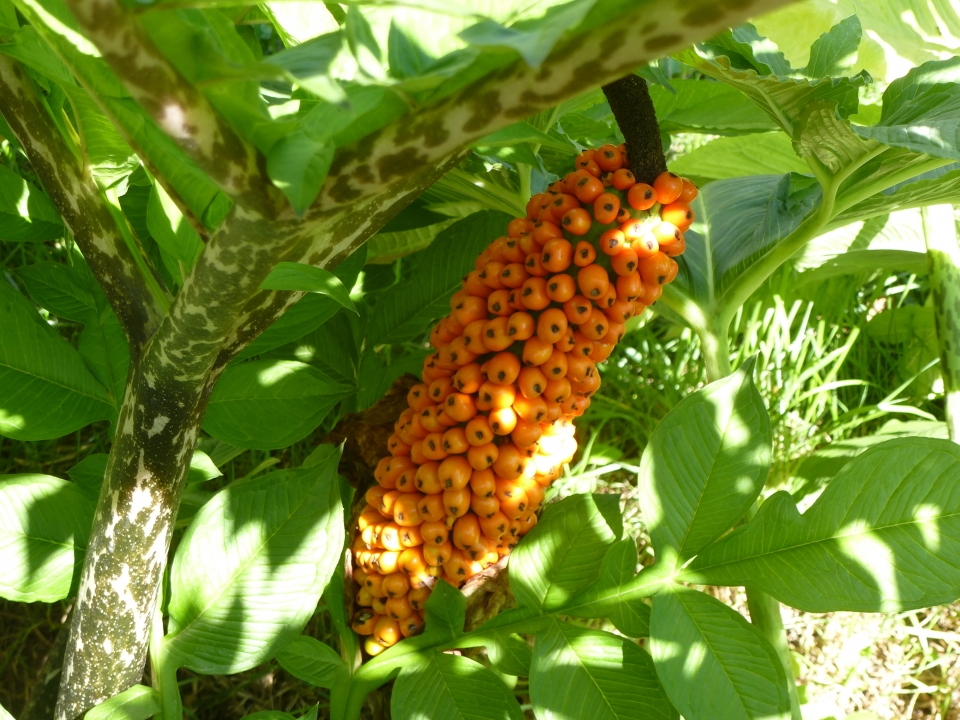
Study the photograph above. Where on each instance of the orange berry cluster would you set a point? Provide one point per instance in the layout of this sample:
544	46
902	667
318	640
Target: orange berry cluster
491	425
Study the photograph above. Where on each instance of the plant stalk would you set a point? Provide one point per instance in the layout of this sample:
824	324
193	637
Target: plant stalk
943	256
764	609
164	673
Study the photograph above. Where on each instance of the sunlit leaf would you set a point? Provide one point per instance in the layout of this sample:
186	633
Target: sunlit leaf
26	213
250	569
298	277
835	52
740	156
883	536
562	554
705	465
712	662
136	703
44	525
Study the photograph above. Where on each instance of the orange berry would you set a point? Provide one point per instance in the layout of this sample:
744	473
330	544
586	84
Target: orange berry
478	431
577	308
668	187
576	221
623	179
677	213
536	351
503	368
431	509
503	421
654	269
612	241
584	254
533	294
606	207
454	472
521	326
593	280
689	192
531	409
608	157
532	381
561	288
641	197
588	187
624	263
562	204
557	255
514	274
481	457
629	287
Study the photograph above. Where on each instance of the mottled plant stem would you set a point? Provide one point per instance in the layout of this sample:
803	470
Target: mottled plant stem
632	106
943	256
81	204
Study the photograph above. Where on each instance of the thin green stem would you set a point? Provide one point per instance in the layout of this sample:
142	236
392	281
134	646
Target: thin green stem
524	170
164	673
943	256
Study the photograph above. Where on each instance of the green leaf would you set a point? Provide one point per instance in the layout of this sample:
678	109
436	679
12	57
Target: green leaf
562	554
404	311
106	352
926	184
631	616
739	156
309	64
524	132
746	49
451	687
822	134
29	48
835	52
202	468
312	661
781	98
363	44
332	348
268	404
580	673
88	474
892	242
180	246
445	611
44	525
377	379
712	662
26	213
739	221
108	156
707	107
59	289
307	278
308	313
532	39
921	111
46	391
509	654
705	464
136	703
883	536
385	247
298	165
250	569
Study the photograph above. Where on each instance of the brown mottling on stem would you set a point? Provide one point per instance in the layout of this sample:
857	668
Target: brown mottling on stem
649	27
485	107
364	174
400	163
704	15
613	42
661	42
343	191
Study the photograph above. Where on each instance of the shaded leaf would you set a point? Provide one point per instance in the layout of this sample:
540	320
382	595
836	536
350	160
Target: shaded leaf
451	687
835	52
707	107
45	389
404	311
579	673
739	156
267	404
312	661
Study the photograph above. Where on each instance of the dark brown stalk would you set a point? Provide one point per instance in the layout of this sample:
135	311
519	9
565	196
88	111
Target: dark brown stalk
633	110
